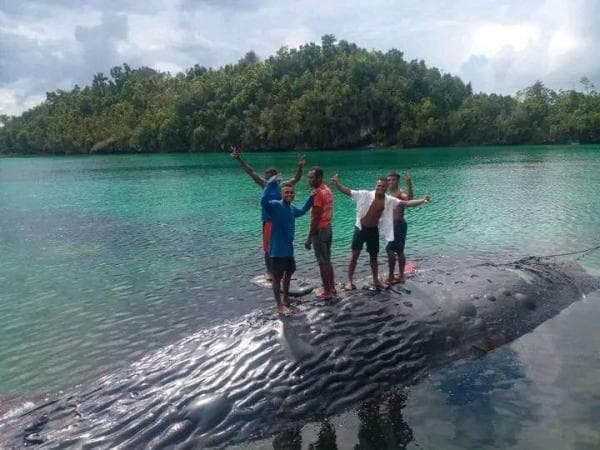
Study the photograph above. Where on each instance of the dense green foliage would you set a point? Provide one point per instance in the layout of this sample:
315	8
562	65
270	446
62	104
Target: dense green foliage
327	96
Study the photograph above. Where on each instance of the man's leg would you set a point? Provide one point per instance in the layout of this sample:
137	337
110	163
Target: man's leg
358	240
402	229
276	284
375	270
391	262
287	278
326	270
266	237
373	249
269	272
351	268
330	278
402	263
322	247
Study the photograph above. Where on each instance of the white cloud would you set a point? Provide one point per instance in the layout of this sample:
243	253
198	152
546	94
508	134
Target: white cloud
13	101
500	46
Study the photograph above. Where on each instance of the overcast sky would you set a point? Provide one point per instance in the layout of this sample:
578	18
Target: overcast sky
500	46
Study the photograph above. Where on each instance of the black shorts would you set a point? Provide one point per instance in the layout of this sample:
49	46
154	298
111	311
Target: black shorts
285	264
397	245
322	245
370	235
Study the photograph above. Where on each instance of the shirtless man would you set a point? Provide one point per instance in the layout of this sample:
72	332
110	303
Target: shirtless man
396	247
374	215
275	194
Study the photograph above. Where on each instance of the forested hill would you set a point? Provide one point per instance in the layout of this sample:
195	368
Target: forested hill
317	96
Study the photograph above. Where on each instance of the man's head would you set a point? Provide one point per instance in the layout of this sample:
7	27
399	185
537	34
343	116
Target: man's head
287	192
270	172
315	177
381	186
392	179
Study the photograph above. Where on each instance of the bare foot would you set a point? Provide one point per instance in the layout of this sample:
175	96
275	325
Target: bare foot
321	294
268	276
399	279
390	280
284	310
349	286
286	301
379	285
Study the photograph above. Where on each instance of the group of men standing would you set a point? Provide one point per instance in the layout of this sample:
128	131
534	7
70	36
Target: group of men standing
376	213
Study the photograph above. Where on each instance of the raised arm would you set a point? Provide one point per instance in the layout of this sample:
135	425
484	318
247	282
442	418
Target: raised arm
409	187
299	169
335	180
235	154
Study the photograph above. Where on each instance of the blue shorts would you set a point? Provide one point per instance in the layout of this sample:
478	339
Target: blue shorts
397	245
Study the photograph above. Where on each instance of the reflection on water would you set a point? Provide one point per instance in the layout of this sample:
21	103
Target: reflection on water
377	424
382	425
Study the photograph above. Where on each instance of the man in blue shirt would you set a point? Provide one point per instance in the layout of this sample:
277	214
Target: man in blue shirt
275	194
281	246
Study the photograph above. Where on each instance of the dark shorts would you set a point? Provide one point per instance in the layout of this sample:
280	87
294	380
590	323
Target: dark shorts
397	245
286	264
322	245
370	235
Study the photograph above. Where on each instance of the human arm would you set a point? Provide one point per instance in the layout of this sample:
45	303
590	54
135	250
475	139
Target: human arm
409	187
335	180
306	207
235	154
417	202
299	169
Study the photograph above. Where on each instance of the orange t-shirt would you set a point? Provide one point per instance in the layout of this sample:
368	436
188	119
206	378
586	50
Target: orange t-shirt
324	200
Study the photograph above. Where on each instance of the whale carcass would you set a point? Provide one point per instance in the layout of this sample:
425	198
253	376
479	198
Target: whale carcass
256	375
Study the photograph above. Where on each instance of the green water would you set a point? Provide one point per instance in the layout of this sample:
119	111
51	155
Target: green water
106	258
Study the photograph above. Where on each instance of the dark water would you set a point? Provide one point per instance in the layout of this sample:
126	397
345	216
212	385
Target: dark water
105	259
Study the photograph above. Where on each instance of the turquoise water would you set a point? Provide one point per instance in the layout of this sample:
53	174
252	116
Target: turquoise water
107	258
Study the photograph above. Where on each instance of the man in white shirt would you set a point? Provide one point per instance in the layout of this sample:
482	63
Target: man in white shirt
374	216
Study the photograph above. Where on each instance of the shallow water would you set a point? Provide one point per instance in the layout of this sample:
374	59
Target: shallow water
105	259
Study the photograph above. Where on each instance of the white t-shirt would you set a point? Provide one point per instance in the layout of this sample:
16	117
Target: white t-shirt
363	201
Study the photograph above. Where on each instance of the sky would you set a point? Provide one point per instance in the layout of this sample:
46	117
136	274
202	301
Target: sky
500	46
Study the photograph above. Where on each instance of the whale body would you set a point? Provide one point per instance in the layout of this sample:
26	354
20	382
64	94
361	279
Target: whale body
257	375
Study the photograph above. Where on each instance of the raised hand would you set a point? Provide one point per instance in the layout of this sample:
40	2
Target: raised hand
301	160
335	179
235	153
407	178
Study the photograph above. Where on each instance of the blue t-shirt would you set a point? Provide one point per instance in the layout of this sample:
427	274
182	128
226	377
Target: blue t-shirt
283	217
274	194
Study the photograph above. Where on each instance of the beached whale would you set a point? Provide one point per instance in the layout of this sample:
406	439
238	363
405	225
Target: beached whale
261	373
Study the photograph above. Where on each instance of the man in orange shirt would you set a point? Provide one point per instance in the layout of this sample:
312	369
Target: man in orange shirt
320	235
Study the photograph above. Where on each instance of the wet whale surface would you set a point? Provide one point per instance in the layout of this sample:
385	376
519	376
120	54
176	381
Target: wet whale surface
255	376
